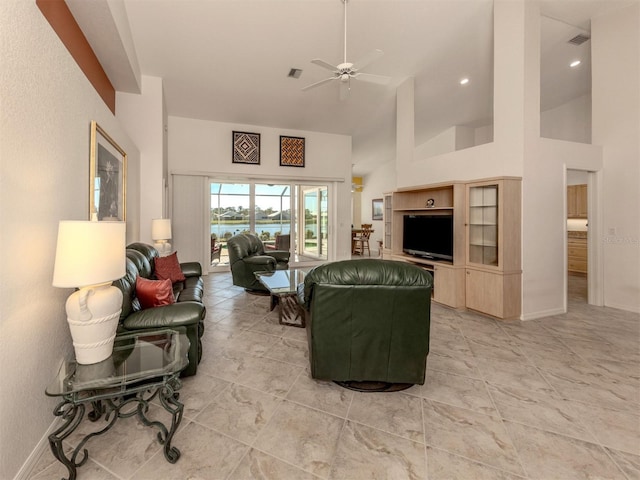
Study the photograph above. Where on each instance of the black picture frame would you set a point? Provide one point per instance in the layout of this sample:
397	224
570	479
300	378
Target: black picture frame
246	148
292	151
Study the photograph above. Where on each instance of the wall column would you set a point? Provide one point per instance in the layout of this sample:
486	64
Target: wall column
143	118
405	120
615	53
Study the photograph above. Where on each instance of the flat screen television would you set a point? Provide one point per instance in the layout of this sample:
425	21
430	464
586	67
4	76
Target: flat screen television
428	236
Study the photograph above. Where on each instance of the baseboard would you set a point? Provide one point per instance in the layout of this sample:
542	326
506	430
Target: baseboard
34	457
626	308
542	314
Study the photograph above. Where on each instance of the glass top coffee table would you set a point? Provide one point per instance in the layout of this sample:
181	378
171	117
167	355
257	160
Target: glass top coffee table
143	366
283	288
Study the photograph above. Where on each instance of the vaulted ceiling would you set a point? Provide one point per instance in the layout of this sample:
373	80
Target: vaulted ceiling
228	60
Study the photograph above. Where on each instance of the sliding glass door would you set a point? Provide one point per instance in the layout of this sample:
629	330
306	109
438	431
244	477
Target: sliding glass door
315	221
229	215
272	212
285	216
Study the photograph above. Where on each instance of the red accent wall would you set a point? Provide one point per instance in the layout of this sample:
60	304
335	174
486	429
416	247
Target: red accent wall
61	20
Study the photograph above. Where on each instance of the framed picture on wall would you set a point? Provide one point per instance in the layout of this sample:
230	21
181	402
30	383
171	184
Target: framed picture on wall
107	177
246	148
291	151
376	209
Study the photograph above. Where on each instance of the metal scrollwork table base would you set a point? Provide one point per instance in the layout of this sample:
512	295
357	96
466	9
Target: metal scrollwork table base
120	387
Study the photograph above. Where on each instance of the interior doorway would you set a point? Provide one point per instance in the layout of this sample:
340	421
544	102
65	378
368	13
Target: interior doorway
577	235
584	279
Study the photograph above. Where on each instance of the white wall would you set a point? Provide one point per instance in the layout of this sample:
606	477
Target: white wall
415	167
570	121
143	118
378	182
452	139
543	210
47	107
577	177
356	208
615	53
200	147
483	134
517	150
468	164
444	142
405	125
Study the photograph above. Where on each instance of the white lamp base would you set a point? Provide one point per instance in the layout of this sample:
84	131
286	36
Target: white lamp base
163	247
93	313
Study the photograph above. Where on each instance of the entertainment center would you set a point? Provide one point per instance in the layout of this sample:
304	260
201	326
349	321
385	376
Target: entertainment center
468	235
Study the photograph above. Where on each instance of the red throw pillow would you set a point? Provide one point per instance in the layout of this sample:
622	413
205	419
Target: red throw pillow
169	267
154	293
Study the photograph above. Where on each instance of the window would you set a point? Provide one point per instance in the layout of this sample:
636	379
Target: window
272	211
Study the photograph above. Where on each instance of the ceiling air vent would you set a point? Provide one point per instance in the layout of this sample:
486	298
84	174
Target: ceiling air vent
294	73
579	39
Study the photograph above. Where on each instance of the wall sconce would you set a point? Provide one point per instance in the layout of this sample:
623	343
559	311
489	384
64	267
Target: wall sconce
161	234
89	256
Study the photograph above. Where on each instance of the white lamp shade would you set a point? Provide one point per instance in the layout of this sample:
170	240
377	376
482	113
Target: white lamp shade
161	229
89	253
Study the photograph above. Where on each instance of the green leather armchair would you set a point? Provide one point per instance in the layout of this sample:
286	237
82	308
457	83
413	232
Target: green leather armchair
367	321
247	256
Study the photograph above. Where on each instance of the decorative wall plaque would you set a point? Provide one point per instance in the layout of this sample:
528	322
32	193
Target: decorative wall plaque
291	151
246	147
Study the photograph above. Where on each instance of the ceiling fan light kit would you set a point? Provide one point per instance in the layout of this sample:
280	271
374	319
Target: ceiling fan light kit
345	71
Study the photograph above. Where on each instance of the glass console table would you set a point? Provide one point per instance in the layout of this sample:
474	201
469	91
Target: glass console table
143	366
283	288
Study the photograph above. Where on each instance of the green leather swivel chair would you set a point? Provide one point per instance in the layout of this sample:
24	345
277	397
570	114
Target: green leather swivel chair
367	321
247	256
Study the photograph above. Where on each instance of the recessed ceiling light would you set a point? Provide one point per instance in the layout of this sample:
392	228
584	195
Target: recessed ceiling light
574	64
464	81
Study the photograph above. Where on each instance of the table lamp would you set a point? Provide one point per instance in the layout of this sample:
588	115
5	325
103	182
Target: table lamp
161	234
89	256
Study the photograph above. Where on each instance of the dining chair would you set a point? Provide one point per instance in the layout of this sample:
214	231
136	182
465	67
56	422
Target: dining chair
361	241
215	248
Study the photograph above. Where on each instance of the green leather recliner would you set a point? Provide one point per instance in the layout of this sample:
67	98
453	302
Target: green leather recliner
247	256
367	321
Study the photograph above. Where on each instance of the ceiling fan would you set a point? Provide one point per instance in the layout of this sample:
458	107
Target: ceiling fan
346	71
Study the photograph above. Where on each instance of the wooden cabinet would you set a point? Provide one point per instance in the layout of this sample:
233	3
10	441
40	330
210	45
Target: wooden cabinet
445	199
485	274
482	224
577	252
448	281
493	276
495	294
450	285
493	224
577	201
388	229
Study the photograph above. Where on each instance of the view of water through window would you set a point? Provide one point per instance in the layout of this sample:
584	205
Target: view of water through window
270	211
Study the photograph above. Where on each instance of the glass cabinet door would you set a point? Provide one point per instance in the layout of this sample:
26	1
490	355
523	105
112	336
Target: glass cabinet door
483	225
388	213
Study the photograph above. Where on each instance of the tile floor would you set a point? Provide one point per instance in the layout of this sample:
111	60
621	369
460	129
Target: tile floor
555	398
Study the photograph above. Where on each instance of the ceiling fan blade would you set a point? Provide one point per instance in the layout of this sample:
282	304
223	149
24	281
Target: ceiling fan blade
371	78
317	84
367	59
344	90
324	64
